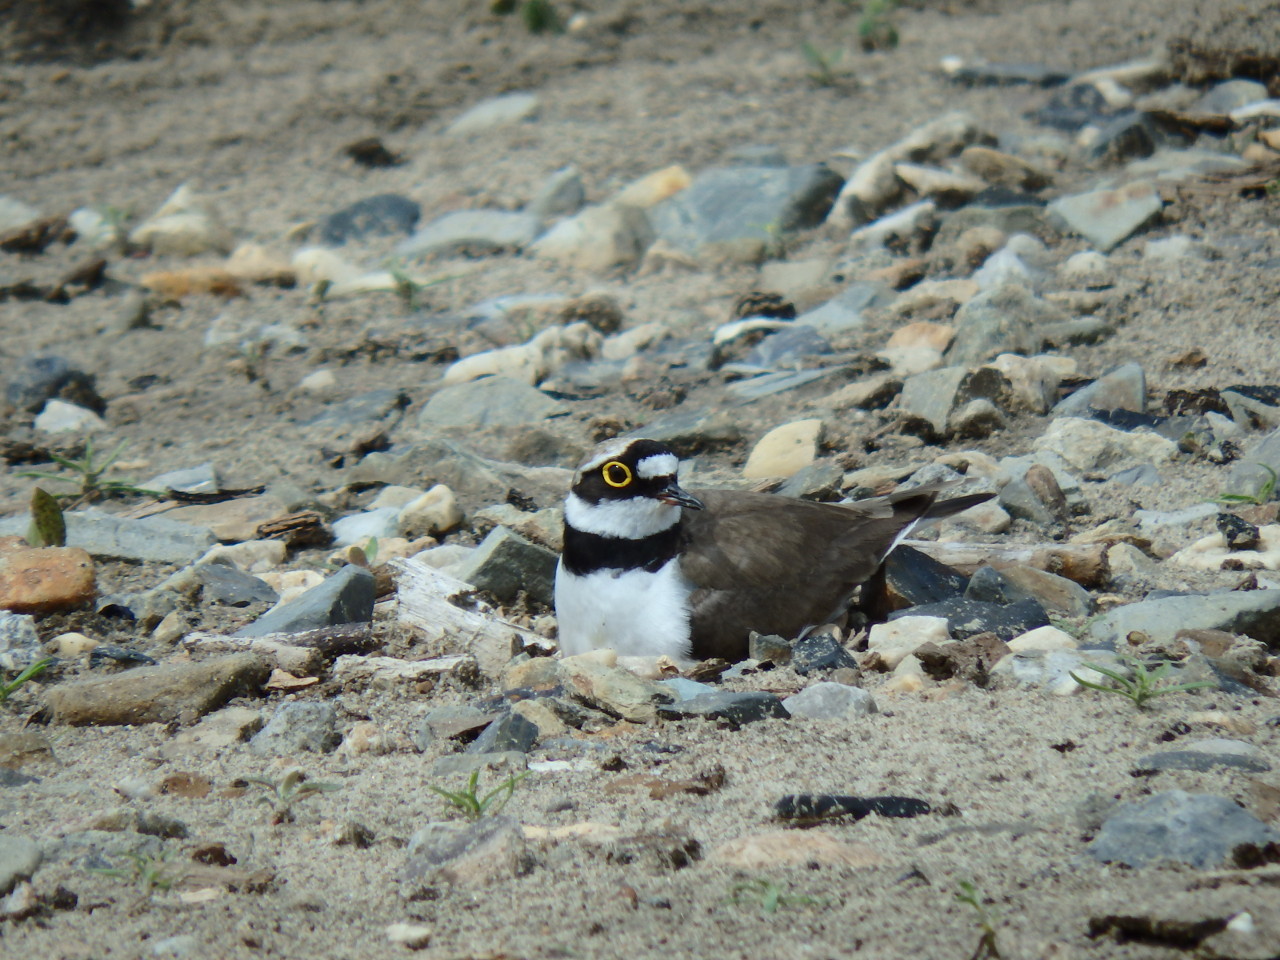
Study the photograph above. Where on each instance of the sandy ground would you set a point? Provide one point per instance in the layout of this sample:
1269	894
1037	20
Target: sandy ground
253	103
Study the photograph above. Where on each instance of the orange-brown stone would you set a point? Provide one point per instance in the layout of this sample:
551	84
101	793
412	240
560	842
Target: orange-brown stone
44	579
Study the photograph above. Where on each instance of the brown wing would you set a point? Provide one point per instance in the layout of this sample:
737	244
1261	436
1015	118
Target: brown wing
776	565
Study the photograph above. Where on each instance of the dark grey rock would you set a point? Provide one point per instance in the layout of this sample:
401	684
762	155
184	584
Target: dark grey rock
1022	503
383	215
447	723
106	535
729	205
304	726
1196	829
820	652
1005	319
1255	613
489	849
820	480
364	408
931	396
1008	212
42	378
919	579
1143	475
977	419
844	312
506	563
20	858
345	597
224	583
511	732
12	778
1128	136
813	807
767	647
1016	583
1108	217
488	402
1010	75
966	618
473	233
731	708
693	431
1124	388
1073	107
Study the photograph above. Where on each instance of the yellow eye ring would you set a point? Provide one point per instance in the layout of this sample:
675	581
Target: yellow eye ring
617	475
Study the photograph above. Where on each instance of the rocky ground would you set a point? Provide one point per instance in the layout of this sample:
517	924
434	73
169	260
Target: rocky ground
309	309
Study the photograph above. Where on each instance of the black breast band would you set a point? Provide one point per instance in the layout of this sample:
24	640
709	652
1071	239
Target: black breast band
588	552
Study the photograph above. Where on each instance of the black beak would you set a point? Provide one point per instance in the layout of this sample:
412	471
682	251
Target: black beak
673	495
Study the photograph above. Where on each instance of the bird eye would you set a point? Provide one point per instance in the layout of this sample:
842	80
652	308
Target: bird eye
616	474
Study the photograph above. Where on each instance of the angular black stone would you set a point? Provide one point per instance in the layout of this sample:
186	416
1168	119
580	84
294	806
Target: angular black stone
732	708
1010	75
110	652
966	618
385	214
512	732
346	597
820	652
1126	419
224	583
1239	533
1072	107
824	806
918	578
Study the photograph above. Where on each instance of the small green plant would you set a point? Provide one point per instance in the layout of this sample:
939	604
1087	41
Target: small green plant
824	63
88	472
1264	492
539	16
471	805
875	27
1143	686
149	872
986	949
30	673
282	794
768	896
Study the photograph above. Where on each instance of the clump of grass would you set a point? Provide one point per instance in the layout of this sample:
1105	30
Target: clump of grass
539	16
824	62
149	872
1143	686
30	673
875	27
986	948
1264	492
769	897
282	794
471	804
89	474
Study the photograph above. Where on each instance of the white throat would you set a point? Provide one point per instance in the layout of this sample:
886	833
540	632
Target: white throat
632	519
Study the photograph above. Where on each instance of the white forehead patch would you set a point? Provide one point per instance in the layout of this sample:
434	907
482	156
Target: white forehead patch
609	450
657	465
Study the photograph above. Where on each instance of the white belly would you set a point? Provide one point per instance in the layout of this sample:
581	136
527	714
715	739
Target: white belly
636	613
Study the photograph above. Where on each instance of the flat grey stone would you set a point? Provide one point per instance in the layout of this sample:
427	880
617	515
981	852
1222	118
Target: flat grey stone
364	408
106	535
746	391
1246	475
20	858
201	479
445	723
506	563
1196	829
931	396
345	597
561	195
488	402
1124	388
224	583
843	312
826	700
382	215
303	726
728	205
1198	760
1255	613
499	111
692	431
1022	503
1108	217
733	708
473	233
490	848
1230	95
682	688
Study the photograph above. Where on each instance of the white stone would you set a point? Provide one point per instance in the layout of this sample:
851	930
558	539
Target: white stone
1172	249
1087	268
395	496
897	639
826	700
414	936
1043	639
500	111
93	230
290	584
1208	553
185	225
1033	382
58	416
322	265
251	556
71	645
905	361
384	522
1127	563
625	345
318	382
433	513
1090	445
598	239
1003	266
529	362
784	450
14	213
